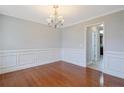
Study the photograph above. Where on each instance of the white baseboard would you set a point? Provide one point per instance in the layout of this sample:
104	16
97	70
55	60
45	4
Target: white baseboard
13	60
24	66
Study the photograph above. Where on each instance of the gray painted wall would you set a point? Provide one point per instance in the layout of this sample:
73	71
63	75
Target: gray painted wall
21	34
73	36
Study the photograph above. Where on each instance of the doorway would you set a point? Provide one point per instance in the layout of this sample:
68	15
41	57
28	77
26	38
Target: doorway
95	46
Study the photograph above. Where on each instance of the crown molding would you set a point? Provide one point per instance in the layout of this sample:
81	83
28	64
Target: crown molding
91	18
69	25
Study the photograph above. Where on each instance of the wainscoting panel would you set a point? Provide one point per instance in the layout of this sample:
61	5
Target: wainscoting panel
74	56
114	63
12	60
7	61
43	56
26	58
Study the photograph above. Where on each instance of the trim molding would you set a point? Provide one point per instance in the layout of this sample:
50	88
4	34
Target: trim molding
114	63
12	60
91	18
73	55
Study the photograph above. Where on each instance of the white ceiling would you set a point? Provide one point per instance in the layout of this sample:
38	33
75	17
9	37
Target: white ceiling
72	14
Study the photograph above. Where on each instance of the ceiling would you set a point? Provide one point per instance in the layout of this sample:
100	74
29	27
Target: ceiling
72	14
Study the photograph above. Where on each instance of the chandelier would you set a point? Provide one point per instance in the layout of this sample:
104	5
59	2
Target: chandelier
55	20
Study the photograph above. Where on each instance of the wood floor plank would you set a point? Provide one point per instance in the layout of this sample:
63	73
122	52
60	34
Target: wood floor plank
58	74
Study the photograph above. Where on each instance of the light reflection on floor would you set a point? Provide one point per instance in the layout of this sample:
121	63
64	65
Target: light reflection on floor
99	65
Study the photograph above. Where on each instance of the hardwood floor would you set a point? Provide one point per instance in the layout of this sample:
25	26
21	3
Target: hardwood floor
58	74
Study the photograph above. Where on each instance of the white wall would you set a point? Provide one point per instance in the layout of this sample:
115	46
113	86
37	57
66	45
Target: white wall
74	36
73	44
89	43
21	34
24	44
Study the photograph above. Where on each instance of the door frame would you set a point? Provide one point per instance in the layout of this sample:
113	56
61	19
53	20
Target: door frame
85	40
